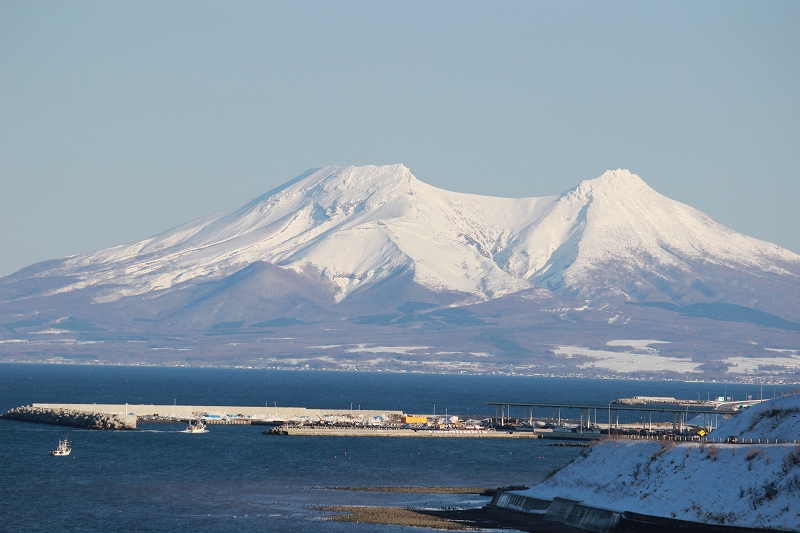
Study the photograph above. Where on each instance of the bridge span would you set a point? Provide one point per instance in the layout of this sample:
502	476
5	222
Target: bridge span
681	414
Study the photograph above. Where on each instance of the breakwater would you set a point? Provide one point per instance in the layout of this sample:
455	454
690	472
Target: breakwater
253	413
71	417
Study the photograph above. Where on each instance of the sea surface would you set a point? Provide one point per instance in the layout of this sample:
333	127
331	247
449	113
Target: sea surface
233	478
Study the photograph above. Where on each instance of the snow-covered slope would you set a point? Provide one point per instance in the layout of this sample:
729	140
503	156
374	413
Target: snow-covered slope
750	486
744	485
354	227
777	419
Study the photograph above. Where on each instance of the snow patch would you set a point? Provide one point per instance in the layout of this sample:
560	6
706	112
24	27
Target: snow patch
635	343
51	331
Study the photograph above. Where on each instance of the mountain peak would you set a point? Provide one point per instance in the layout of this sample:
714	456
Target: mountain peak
620	180
386	174
356	184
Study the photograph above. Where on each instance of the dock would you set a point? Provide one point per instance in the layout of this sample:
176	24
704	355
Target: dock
403	432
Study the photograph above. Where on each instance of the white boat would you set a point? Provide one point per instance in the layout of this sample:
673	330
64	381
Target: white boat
63	448
196	426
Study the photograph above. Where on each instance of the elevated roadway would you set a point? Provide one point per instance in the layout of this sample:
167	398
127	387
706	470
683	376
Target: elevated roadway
680	413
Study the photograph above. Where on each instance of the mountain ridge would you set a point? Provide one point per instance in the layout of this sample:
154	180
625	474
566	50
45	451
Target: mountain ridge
612	236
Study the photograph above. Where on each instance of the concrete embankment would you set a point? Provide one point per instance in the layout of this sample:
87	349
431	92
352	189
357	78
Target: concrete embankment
575	515
71	417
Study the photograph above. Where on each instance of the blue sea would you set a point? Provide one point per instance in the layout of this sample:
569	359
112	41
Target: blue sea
233	478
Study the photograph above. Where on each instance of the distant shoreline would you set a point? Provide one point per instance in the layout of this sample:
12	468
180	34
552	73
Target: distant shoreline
742	381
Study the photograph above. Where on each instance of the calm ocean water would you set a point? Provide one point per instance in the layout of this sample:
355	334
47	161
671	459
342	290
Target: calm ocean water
235	479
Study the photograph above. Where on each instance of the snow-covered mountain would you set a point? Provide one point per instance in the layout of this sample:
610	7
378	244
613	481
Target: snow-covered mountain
369	260
349	229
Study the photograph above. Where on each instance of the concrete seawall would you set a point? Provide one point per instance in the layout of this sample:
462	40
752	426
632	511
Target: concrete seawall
574	514
71	417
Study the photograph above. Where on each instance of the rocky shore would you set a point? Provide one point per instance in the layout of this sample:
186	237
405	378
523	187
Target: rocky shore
427	490
477	519
72	418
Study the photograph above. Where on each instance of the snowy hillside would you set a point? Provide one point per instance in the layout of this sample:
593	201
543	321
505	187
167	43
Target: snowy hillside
743	485
351	228
774	419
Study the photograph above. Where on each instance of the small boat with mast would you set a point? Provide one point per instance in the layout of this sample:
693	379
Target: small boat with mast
63	448
196	426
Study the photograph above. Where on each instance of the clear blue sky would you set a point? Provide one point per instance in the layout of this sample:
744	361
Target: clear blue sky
122	119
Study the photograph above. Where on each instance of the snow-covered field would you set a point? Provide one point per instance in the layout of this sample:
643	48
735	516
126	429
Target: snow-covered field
745	365
363	348
630	361
744	485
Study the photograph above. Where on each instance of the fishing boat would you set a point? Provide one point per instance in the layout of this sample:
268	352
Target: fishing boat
196	426
63	448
